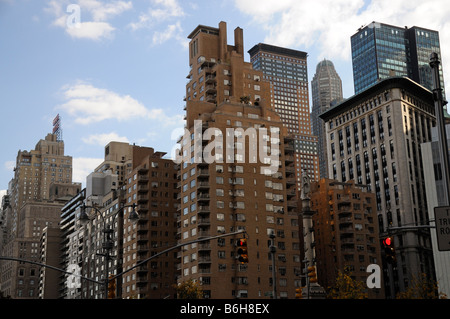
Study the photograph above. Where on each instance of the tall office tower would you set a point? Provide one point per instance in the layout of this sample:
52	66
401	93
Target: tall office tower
286	71
38	174
153	187
326	87
229	185
36	170
345	231
375	139
381	50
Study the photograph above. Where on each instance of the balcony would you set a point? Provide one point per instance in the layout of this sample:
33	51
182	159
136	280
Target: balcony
203	185
204	222
292	203
204	233
142	178
289	159
203	172
288	148
210	98
290	181
204	246
204	209
204	259
142	198
210	79
210	89
290	170
203	197
142	188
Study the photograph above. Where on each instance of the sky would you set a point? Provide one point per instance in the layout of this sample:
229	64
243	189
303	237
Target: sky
116	70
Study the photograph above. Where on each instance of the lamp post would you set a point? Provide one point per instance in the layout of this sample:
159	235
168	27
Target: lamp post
273	250
108	241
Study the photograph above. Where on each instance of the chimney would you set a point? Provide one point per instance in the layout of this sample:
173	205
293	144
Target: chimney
239	40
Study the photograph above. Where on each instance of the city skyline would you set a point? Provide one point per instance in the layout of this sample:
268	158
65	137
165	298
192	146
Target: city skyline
98	76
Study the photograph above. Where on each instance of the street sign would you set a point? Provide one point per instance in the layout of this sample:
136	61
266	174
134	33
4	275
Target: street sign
442	220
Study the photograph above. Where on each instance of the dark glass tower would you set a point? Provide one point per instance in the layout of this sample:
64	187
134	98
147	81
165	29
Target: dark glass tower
381	50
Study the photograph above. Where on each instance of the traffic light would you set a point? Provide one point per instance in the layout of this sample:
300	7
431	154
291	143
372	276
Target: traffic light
389	250
242	250
111	288
312	274
299	293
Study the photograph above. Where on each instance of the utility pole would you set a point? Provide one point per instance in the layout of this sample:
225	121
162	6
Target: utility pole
314	290
439	103
273	249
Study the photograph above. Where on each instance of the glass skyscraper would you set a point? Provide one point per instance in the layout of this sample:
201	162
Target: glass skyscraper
381	50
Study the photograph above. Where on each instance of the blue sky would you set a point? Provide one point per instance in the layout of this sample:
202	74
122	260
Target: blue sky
120	73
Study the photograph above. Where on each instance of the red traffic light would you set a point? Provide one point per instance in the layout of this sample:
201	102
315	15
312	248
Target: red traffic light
242	242
387	241
242	250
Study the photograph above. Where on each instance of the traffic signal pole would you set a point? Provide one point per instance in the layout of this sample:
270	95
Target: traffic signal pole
314	290
439	103
112	278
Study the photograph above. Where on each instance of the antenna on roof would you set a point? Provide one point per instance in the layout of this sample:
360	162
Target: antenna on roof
57	128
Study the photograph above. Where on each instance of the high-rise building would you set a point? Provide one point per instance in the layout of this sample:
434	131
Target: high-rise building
41	184
153	187
375	138
35	171
345	232
381	50
106	191
286	71
71	247
326	87
227	184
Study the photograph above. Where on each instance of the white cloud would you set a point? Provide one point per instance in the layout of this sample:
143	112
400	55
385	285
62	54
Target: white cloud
104	139
157	17
2	193
89	104
86	19
9	165
82	167
172	31
91	30
159	11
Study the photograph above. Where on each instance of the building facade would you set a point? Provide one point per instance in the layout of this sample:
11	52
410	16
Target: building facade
226	186
435	189
153	186
41	184
345	231
375	139
326	87
287	72
381	50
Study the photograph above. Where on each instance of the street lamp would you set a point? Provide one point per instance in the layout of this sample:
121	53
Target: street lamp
108	242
